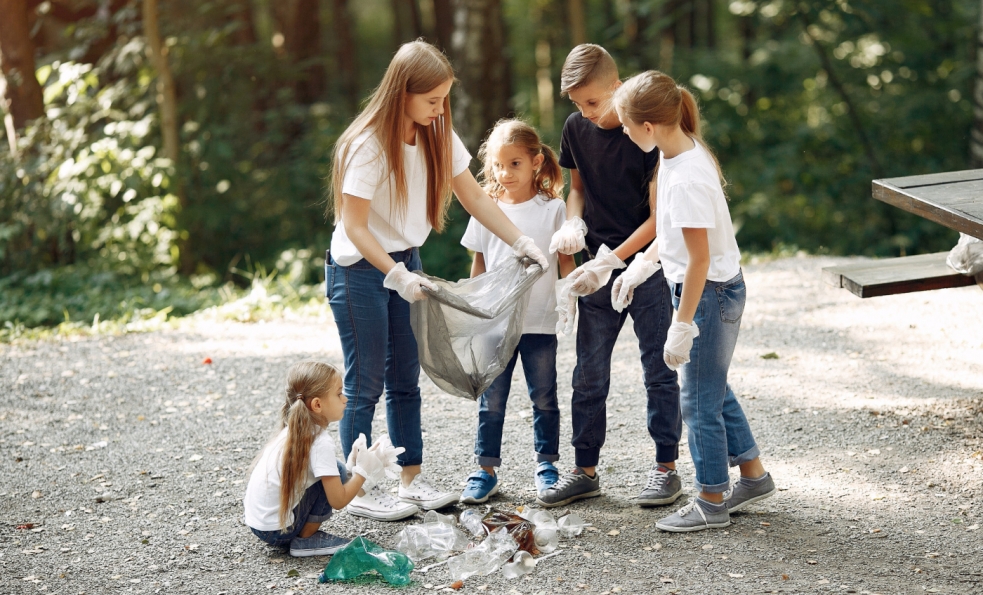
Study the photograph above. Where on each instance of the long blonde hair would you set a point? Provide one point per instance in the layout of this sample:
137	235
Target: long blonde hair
548	180
654	97
417	68
305	381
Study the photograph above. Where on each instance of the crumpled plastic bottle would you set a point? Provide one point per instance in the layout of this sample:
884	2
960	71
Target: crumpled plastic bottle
471	520
571	525
520	529
361	556
485	558
545	531
522	563
436	536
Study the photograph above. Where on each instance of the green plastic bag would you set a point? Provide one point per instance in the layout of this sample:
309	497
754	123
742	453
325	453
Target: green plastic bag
361	556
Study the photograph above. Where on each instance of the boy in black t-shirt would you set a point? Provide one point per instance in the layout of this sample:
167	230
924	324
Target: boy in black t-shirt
608	204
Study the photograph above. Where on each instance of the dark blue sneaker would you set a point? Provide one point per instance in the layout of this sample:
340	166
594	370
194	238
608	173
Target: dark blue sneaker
481	486
546	476
319	544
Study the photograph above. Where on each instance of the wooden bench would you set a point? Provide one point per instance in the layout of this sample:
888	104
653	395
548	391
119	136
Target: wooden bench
890	276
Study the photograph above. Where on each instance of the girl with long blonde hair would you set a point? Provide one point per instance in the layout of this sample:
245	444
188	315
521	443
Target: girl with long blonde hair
702	264
393	171
296	479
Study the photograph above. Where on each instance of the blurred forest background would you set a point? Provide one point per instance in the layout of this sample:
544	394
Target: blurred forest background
161	155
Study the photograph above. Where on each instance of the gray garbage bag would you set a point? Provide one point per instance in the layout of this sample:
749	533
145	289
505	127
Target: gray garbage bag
467	331
967	256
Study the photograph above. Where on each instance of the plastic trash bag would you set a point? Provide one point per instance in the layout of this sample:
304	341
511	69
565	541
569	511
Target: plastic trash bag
361	556
967	256
467	331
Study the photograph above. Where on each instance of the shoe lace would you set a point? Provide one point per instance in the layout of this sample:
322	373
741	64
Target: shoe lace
381	498
564	481
422	485
688	507
657	479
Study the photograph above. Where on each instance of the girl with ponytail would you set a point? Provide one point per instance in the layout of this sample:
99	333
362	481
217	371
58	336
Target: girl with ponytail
296	479
701	261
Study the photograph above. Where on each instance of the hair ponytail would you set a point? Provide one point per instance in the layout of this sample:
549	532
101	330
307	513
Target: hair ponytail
548	181
305	381
654	97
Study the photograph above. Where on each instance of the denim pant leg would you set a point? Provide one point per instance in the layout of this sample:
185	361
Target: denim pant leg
380	352
538	352
651	314
312	508
597	332
491	417
719	433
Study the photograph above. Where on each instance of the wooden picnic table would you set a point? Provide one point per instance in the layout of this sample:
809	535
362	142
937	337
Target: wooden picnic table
953	199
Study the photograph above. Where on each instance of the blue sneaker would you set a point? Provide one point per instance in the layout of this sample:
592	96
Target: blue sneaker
319	544
481	486
546	476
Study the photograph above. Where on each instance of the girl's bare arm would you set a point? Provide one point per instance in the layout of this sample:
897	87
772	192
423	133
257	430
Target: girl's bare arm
698	247
478	264
340	494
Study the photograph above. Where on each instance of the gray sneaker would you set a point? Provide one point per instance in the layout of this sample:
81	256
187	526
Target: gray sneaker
573	486
694	517
744	492
663	487
319	544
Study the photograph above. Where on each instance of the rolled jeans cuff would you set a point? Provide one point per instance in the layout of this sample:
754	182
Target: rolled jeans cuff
587	457
666	453
543	458
718	488
488	461
318	518
747	456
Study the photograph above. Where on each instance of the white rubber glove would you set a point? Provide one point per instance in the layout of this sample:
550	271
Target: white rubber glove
595	274
678	343
358	446
566	308
570	238
369	465
638	272
408	285
388	454
526	247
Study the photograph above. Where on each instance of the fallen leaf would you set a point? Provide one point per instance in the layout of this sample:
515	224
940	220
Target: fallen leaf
823	582
207	360
457	585
26	526
735	575
36	494
293	572
193	458
903	470
784	577
765	524
811	562
614	532
708	547
666	579
973	527
771	355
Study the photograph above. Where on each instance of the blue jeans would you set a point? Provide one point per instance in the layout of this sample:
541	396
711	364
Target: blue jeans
380	354
718	430
312	508
539	365
597	332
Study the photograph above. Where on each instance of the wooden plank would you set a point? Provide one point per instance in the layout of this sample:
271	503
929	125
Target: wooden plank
907	274
935	179
956	204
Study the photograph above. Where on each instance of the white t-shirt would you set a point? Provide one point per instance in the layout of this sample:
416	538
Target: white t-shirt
366	177
689	195
262	500
538	218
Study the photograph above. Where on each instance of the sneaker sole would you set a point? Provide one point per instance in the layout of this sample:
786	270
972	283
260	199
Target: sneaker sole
444	502
324	551
396	515
672	529
659	501
758	498
545	504
471	500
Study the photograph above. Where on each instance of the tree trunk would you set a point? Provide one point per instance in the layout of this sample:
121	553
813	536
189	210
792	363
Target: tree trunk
166	96
976	138
667	40
711	24
242	16
299	21
345	53
578	27
443	17
408	23
479	51
21	94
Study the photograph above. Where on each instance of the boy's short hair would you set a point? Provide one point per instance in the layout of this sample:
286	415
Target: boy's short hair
585	64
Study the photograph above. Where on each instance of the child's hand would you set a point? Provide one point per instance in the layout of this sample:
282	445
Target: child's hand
358	446
408	285
388	454
638	272
570	238
526	247
566	308
595	274
679	342
370	466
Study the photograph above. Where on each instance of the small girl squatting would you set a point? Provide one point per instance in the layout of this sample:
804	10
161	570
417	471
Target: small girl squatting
523	175
296	480
701	261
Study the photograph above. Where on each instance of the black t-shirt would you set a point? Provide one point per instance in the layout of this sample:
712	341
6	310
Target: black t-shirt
616	175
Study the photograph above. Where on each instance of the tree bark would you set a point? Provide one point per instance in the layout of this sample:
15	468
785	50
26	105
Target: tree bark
976	138
578	27
443	16
408	23
479	53
667	40
242	15
345	53
166	96
299	21
21	94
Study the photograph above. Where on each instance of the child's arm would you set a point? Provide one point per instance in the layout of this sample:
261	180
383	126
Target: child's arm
637	240
575	198
698	248
566	262
478	264
340	494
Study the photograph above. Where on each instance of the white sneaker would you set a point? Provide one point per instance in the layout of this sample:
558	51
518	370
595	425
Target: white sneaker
380	506
424	495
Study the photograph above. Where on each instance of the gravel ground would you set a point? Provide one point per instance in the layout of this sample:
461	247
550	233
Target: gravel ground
127	456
